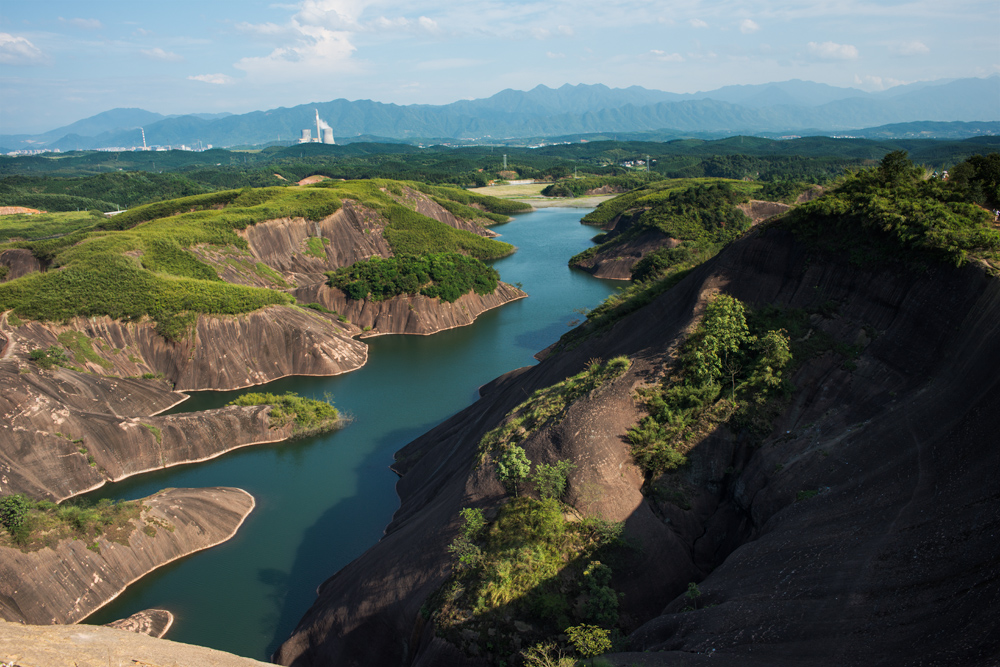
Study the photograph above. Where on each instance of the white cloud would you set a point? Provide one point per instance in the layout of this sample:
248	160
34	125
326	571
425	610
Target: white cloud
870	82
832	51
913	48
554	56
665	57
218	79
159	54
698	23
315	50
747	26
87	24
142	32
565	30
16	50
427	24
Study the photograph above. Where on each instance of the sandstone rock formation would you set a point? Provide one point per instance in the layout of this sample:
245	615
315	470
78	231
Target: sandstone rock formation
889	556
19	262
759	210
73	579
66	433
99	646
152	622
409	314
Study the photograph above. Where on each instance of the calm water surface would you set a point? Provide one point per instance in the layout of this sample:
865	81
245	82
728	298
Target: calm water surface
322	501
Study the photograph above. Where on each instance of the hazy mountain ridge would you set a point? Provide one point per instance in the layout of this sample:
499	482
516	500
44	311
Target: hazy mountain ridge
788	106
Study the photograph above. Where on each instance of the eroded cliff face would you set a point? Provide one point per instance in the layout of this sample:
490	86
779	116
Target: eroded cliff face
891	558
224	352
19	262
759	210
70	581
351	234
409	314
65	433
616	261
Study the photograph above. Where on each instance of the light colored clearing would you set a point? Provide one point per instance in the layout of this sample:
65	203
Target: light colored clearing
18	210
532	194
309	180
566	202
512	191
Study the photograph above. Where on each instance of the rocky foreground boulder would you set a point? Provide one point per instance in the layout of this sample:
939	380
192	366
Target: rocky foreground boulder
861	529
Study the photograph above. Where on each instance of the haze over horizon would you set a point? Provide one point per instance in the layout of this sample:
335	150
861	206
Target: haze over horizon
63	61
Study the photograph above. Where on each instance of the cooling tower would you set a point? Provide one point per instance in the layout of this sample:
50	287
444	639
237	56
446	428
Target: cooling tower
328	135
306	136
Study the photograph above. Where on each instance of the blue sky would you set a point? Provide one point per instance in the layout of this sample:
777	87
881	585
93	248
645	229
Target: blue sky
62	61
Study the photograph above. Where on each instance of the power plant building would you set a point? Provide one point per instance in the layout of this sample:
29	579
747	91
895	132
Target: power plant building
324	133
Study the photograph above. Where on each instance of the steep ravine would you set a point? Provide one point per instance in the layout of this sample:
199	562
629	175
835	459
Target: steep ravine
889	558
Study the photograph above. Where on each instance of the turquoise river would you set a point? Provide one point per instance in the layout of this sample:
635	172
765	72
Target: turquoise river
322	501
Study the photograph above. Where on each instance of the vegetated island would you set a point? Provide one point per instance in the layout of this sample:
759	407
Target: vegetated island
106	321
782	455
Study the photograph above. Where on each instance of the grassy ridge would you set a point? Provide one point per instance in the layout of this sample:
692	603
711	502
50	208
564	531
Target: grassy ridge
137	263
701	215
35	226
655	194
894	214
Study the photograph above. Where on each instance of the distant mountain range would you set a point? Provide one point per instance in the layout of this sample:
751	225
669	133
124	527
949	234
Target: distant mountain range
792	107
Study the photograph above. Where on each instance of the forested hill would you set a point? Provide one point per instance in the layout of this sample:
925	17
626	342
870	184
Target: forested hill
109	181
779	107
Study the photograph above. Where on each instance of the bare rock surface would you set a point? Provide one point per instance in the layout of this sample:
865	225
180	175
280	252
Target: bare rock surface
225	352
151	622
64	433
759	210
617	261
409	314
352	233
71	581
100	646
890	557
19	262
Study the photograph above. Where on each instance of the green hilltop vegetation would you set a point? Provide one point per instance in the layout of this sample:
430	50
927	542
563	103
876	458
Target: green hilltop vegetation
444	275
700	213
893	214
137	265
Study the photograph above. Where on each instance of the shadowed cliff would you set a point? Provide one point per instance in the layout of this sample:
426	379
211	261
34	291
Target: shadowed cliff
857	530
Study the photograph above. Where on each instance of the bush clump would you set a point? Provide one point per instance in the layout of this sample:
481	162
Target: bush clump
526	577
34	524
308	416
724	368
444	275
